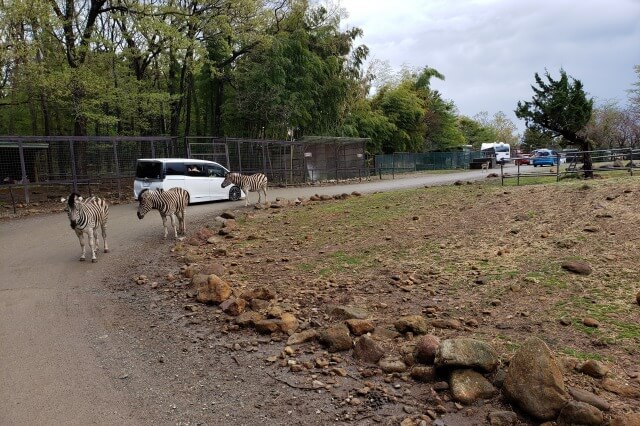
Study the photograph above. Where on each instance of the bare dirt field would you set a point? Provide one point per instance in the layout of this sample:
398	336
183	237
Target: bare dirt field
475	260
484	260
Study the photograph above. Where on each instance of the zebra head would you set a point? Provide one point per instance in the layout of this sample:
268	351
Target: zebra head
73	204
229	178
146	204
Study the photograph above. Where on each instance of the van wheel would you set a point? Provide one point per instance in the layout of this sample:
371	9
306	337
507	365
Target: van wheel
235	193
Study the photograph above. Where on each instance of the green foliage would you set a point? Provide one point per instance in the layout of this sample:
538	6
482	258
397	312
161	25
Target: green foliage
475	133
561	108
558	106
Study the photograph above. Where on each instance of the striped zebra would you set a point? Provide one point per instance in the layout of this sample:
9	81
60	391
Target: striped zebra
256	182
85	216
171	202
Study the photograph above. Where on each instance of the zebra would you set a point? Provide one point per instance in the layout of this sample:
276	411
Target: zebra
85	216
256	182
171	202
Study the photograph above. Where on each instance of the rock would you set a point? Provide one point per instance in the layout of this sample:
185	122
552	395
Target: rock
336	338
638	298
423	374
468	386
228	215
233	306
502	418
426	347
591	322
261	293
348	312
302	337
289	323
367	350
465	352
248	319
268	326
577	267
579	413
392	365
416	324
534	381
452	324
631	419
214	291
590	398
621	389
386	332
358	327
213	268
594	369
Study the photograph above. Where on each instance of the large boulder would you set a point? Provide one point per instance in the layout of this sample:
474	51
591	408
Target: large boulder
417	324
336	338
467	386
212	291
534	381
466	353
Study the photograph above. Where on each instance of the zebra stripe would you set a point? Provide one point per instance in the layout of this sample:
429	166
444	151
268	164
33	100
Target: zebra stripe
256	182
85	216
171	202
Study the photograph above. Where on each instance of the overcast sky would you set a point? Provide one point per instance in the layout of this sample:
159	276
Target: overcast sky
489	50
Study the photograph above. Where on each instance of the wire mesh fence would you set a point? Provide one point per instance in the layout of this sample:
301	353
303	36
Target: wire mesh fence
38	168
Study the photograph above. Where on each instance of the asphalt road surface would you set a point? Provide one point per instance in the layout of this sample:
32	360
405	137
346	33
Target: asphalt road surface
52	305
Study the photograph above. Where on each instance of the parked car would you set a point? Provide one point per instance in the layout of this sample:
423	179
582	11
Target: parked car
523	159
201	178
545	157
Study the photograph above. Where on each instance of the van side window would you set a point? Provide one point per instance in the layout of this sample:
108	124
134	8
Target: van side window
214	171
176	169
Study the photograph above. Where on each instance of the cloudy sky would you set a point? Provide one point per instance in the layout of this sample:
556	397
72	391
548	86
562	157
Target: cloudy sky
489	50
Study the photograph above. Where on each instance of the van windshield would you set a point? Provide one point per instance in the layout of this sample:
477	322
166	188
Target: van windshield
149	170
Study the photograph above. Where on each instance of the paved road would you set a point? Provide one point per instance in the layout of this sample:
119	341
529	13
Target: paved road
51	307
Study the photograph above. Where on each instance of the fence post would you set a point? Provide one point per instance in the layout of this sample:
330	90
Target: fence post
631	161
74	176
115	157
153	150
558	167
23	168
393	165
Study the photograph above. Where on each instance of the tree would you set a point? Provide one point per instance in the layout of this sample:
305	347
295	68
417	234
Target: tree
634	94
475	133
562	108
534	139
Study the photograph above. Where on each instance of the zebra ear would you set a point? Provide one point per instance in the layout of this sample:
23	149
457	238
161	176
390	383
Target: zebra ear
63	200
79	198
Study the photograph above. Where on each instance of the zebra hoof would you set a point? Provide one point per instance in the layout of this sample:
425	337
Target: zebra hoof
94	260
82	259
106	250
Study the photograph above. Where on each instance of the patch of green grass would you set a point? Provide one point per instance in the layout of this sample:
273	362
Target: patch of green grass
345	259
583	356
306	267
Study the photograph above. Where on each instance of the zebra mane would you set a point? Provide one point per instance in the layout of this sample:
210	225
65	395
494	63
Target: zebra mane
72	199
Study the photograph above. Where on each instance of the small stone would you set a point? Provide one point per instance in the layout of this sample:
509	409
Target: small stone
577	267
591	322
594	369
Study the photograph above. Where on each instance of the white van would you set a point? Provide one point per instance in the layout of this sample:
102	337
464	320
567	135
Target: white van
201	178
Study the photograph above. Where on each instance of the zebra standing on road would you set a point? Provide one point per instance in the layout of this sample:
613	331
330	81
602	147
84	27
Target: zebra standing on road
256	182
171	202
85	216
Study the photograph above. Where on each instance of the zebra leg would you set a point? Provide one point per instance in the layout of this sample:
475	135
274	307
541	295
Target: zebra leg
104	237
80	236
174	224
92	245
246	198
265	194
164	224
182	228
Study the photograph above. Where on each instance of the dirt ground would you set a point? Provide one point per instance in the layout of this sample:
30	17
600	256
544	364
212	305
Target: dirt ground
487	256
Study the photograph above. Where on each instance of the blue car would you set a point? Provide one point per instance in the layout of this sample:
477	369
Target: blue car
545	157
